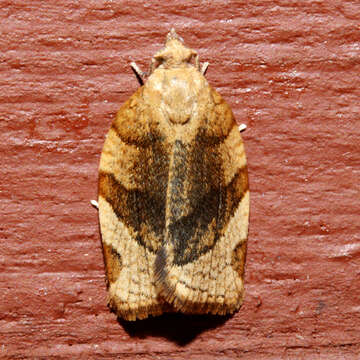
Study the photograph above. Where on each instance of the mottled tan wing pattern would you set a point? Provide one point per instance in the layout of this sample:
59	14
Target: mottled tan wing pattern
173	195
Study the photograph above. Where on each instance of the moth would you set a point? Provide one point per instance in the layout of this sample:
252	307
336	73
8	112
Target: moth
173	195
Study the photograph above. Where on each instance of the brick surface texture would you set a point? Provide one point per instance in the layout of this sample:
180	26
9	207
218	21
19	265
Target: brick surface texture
291	72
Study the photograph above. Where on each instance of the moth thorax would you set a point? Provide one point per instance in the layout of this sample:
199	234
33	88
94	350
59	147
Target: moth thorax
178	99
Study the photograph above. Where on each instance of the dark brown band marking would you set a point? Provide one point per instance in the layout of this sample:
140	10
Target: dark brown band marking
113	262
142	210
144	141
200	206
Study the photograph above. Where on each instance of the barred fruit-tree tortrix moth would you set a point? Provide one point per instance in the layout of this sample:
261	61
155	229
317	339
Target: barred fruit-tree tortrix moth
173	195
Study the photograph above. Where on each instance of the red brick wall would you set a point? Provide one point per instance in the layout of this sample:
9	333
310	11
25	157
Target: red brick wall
289	69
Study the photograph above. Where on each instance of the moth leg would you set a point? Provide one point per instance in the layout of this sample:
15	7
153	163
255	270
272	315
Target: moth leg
204	67
242	127
140	75
95	204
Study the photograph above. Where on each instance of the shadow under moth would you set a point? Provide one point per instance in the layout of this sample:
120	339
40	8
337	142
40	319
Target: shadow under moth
173	195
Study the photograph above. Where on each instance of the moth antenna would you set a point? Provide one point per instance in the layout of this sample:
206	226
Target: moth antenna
140	75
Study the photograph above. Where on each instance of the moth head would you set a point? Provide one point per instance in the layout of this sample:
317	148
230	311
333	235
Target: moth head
172	35
175	53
